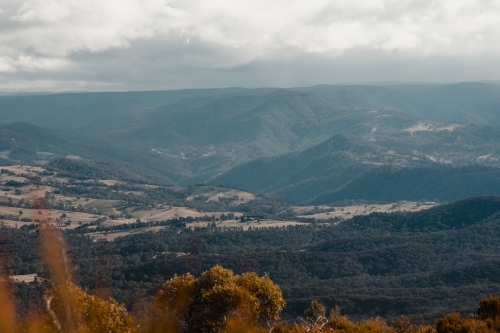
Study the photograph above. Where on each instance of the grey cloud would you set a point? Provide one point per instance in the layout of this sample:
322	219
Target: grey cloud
168	44
139	68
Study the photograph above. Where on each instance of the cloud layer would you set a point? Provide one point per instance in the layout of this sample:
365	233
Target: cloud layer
155	44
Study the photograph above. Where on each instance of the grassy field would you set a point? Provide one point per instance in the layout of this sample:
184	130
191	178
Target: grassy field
111	236
215	193
245	225
76	218
24	278
113	212
347	212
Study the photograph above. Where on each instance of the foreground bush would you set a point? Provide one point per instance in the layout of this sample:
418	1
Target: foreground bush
219	298
72	310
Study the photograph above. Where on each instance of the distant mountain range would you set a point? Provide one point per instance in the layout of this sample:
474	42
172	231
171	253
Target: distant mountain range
468	102
343	168
316	144
95	113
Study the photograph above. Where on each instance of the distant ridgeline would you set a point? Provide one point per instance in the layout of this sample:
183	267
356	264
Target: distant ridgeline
24	143
439	183
344	168
311	145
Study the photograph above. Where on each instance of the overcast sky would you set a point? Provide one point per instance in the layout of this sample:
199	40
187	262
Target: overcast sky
99	45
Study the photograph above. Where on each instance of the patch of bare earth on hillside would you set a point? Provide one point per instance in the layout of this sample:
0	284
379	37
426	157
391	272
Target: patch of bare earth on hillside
347	212
237	224
111	236
27	278
214	193
428	127
50	215
162	214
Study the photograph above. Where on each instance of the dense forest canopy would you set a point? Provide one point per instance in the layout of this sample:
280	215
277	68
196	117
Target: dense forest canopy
422	264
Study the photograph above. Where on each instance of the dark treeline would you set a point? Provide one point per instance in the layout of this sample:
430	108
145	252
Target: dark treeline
87	169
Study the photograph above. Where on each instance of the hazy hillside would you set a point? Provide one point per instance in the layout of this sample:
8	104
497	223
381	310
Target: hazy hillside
87	169
97	113
469	102
222	132
93	113
192	136
348	168
29	144
272	121
440	183
212	134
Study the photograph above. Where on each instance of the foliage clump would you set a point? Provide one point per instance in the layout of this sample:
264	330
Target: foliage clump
73	310
219	297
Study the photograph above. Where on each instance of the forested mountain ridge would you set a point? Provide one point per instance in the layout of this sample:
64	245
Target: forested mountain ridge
224	131
466	102
29	144
93	113
199	136
206	132
352	168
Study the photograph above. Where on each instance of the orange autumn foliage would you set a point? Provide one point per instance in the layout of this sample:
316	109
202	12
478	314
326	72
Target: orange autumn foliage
219	297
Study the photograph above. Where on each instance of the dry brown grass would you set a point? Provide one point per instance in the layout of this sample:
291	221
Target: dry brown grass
347	212
111	236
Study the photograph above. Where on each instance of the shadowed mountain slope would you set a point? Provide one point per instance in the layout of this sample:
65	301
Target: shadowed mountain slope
29	144
200	134
93	113
438	182
347	168
87	169
468	102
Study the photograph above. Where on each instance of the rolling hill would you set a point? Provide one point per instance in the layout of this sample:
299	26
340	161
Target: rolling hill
93	113
195	136
87	169
348	168
213	134
467	102
29	144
